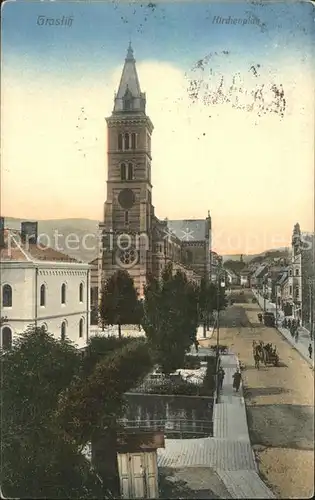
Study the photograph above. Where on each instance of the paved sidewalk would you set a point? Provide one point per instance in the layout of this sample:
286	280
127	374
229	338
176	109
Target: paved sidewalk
229	451
301	345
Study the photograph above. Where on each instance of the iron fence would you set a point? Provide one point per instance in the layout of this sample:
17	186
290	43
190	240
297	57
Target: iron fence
172	429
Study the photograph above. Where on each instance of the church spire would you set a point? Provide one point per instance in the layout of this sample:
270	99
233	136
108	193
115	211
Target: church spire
129	96
130	53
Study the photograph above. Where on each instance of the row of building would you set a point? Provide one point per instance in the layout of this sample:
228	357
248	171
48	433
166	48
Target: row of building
288	282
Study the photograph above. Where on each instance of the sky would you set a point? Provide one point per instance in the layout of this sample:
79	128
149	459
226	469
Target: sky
254	171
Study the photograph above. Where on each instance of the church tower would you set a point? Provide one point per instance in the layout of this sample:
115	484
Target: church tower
128	210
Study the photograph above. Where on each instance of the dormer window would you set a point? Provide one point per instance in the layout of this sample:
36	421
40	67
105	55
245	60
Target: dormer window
127	105
128	100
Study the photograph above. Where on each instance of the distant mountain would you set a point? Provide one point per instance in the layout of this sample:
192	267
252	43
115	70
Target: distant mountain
246	258
273	252
74	237
78	239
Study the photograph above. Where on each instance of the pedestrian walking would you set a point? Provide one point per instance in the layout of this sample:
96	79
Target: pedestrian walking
196	345
310	351
256	359
237	380
221	378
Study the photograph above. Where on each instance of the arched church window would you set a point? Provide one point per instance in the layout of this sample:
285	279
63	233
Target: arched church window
126	217
7	296
6	338
120	142
133	140
130	171
123	171
127	144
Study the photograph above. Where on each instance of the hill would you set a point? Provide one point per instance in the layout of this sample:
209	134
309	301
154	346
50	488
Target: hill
78	239
236	264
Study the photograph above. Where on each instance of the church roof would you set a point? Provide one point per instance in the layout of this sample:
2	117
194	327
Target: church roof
129	78
188	230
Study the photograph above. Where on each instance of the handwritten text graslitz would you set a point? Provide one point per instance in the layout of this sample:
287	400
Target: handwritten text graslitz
51	21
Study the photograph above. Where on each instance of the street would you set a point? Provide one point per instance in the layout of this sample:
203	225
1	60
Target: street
279	402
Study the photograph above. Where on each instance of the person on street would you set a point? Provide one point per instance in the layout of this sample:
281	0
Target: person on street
254	347
237	380
196	345
256	359
221	378
310	351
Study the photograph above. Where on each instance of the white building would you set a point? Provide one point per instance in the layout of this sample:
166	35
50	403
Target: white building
42	287
231	277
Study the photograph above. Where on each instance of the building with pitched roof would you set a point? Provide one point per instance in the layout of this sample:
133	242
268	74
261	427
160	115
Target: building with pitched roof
302	279
134	238
41	287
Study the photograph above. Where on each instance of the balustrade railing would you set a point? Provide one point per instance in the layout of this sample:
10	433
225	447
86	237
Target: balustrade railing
172	427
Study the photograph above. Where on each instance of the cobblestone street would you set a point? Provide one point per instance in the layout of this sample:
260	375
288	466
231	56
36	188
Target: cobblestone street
279	403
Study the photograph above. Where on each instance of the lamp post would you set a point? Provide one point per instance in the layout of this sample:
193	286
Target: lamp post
218	330
311	306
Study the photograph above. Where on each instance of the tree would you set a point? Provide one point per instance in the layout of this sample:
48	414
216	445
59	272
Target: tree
3	320
37	462
98	348
170	317
217	296
88	411
209	297
119	301
235	265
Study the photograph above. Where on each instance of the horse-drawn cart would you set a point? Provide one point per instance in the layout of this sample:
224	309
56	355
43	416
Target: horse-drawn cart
271	358
265	354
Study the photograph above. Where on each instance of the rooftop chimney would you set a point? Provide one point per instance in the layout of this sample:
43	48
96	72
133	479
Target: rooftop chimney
29	232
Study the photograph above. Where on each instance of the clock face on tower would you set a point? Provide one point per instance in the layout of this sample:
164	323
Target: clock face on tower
126	198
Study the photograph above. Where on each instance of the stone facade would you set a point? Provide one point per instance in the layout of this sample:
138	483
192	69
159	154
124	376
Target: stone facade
303	276
43	287
133	238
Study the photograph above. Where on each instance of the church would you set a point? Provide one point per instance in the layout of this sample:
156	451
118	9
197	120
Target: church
133	238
